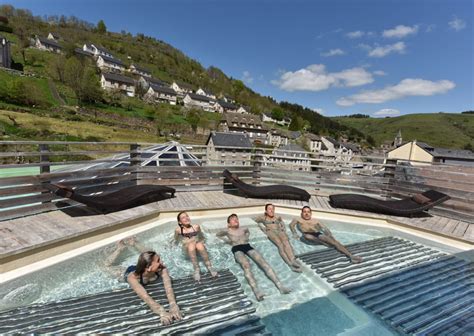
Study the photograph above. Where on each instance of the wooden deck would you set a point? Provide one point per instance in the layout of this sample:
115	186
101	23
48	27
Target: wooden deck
28	233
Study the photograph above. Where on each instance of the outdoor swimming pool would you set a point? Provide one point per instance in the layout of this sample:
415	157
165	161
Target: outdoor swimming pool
313	307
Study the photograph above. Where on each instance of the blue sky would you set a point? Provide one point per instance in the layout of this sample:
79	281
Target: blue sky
340	57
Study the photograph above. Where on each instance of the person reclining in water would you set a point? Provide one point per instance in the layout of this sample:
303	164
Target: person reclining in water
149	268
315	232
239	239
193	239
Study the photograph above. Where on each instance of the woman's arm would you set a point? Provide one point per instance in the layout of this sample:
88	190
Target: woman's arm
174	309
200	234
281	223
155	307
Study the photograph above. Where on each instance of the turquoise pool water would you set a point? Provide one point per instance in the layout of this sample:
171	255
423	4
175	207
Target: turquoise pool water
313	307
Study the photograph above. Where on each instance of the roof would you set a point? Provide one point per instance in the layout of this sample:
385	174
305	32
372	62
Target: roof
234	117
111	77
154	81
195	96
207	91
55	35
112	60
313	137
291	147
81	51
163	89
101	49
139	68
447	153
350	146
49	42
230	139
333	141
227	105
295	134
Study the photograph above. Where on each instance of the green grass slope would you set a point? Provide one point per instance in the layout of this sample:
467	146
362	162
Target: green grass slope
446	130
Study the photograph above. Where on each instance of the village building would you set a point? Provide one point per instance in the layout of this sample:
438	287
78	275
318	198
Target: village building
112	81
268	118
193	100
243	110
82	53
206	93
97	50
290	156
250	124
5	53
277	138
221	149
48	45
110	64
421	153
222	106
138	70
314	143
144	82
53	36
181	88
161	94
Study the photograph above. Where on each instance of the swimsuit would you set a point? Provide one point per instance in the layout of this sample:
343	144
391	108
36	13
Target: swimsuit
316	234
189	234
245	248
131	269
267	222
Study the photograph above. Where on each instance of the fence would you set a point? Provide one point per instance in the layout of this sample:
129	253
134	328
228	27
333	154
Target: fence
102	167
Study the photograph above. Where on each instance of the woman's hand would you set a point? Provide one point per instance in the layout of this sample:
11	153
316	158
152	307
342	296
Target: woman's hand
175	312
165	317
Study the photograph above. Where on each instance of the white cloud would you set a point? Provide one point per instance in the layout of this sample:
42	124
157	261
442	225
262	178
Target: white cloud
380	73
385	50
333	52
407	87
318	110
400	31
315	78
355	34
387	112
457	24
246	77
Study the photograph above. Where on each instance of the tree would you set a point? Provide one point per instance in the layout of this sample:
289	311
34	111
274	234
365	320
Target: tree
278	113
468	146
57	67
193	119
371	140
101	28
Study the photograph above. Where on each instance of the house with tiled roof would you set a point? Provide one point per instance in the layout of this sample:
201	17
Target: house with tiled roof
291	157
53	36
206	93
250	124
113	81
182	88
161	94
276	138
420	152
314	142
106	63
97	50
193	100
139	70
223	106
144	82
82	53
266	117
221	149
243	109
5	53
48	45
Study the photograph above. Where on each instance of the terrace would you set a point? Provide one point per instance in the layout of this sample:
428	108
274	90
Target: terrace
36	224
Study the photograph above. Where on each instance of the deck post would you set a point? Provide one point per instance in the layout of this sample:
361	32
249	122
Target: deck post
44	158
390	174
135	160
257	163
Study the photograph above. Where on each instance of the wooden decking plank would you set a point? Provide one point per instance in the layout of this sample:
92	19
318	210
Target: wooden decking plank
469	234
450	226
460	229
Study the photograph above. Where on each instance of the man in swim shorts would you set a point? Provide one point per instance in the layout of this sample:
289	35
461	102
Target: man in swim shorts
315	232
239	239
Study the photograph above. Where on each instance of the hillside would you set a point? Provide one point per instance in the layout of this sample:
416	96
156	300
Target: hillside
446	130
66	87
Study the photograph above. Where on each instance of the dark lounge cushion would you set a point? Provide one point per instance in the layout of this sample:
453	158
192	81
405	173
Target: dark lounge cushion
420	199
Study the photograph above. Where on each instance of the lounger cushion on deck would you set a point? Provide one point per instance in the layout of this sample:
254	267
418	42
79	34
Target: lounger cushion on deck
405	207
273	191
125	198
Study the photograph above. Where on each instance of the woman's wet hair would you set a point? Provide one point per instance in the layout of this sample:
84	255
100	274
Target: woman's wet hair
267	205
306	207
230	216
144	261
179	215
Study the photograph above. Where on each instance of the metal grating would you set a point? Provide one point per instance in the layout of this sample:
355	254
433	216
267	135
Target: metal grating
216	306
415	289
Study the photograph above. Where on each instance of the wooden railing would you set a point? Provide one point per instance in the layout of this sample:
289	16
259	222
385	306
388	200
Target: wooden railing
102	167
